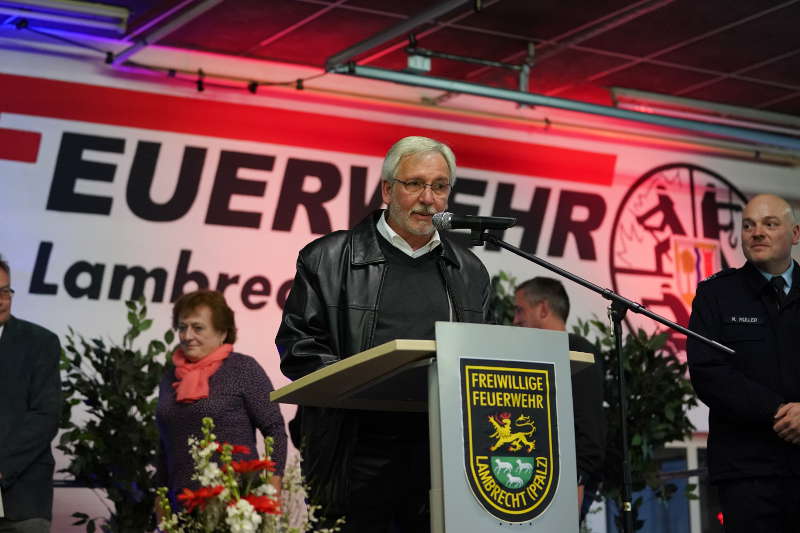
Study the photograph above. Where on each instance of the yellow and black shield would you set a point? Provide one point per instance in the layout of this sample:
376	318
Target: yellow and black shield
510	436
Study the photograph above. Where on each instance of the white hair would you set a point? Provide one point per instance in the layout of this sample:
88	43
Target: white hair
412	145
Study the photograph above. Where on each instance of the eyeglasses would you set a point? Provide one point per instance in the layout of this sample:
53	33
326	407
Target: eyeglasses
6	293
440	188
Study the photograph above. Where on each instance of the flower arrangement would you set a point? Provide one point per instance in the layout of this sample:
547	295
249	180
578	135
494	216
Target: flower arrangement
238	496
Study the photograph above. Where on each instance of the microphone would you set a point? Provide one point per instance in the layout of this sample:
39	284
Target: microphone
445	220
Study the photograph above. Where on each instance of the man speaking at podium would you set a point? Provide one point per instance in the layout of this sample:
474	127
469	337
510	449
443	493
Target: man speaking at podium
392	276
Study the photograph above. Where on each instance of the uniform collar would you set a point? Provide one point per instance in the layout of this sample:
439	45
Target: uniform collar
786	275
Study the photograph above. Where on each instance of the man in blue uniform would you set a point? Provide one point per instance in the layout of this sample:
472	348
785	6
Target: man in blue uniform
754	395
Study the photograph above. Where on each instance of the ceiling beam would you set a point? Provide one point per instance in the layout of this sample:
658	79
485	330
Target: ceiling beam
742	134
589	30
752	117
145	27
393	32
440	25
540	43
286	31
72	12
676	46
732	75
162	31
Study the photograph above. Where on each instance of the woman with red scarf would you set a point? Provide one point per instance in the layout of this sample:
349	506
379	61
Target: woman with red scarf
208	378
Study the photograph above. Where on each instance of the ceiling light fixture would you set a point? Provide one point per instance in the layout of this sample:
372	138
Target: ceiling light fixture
700	110
753	136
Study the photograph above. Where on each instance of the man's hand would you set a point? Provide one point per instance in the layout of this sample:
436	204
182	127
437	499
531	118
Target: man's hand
787	422
159	513
276	483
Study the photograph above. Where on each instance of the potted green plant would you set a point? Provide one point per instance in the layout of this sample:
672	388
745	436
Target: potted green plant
659	398
113	442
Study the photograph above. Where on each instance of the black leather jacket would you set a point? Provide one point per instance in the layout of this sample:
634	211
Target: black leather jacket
331	313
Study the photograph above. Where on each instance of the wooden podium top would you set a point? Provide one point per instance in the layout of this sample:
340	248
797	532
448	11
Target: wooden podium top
389	377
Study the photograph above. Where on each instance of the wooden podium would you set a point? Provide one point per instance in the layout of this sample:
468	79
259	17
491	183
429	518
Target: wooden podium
450	378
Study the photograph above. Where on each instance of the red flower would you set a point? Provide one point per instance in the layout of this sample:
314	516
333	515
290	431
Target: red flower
237	448
241	449
198	498
264	504
253	465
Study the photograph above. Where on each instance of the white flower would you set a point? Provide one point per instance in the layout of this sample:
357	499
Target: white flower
265	489
208	450
210	475
170	524
242	517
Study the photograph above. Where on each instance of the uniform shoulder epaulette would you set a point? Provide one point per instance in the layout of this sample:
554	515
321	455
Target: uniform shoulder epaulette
721	274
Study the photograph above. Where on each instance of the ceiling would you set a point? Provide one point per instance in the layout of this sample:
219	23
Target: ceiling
735	52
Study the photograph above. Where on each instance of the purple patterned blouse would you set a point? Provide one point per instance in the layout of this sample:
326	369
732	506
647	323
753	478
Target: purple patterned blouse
238	401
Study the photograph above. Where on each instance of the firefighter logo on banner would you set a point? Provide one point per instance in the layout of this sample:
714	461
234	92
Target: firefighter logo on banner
510	436
677	225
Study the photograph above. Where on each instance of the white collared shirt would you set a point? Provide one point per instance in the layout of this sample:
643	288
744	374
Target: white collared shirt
786	275
400	243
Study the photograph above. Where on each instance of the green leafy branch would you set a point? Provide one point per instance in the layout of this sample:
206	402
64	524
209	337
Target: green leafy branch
112	443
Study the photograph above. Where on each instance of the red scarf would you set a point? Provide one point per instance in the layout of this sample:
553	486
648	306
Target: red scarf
192	384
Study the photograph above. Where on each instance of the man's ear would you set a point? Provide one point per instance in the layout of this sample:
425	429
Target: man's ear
386	191
544	309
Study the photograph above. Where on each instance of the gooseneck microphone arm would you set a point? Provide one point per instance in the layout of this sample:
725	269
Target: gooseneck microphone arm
616	311
608	294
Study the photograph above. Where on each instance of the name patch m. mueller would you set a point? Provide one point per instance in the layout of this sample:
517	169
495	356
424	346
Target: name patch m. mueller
743	319
510	436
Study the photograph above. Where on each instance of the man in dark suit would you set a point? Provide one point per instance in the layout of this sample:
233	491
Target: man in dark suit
30	406
543	303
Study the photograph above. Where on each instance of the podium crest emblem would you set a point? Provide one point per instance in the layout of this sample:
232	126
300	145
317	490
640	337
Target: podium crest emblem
510	436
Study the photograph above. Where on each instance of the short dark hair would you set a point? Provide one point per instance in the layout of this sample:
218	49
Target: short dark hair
4	266
542	288
221	315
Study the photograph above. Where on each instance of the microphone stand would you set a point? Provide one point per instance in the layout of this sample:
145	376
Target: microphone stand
616	311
